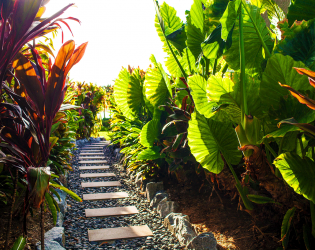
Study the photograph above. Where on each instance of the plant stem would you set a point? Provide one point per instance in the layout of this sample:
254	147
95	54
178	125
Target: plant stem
178	63
244	108
42	227
271	150
207	67
301	146
224	69
246	201
214	70
312	208
11	210
267	52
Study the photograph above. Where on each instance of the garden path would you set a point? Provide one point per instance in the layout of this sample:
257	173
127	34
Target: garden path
112	215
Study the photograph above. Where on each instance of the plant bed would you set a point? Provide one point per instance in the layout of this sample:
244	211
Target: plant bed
33	227
233	229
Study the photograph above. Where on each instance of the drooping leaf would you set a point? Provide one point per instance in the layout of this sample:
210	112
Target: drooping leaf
52	141
260	199
301	44
66	190
208	139
51	206
301	10
38	179
254	51
150	132
128	94
285	228
19	244
298	173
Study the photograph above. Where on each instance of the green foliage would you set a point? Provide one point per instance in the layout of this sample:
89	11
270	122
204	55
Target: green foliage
298	173
209	139
128	93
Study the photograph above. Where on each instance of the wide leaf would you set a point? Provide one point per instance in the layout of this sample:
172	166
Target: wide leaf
280	69
254	51
209	140
300	45
128	94
298	173
150	132
301	10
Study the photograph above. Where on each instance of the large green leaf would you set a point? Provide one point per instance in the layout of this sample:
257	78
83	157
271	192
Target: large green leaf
290	113
157	85
300	45
208	139
195	29
254	52
214	45
215	11
275	13
198	86
150	132
298	173
229	17
188	62
150	154
280	69
166	23
128	93
226	90
178	39
301	10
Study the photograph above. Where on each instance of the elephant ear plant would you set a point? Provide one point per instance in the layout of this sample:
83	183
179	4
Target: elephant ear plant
27	122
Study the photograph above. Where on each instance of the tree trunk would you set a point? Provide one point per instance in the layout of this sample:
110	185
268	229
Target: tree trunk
11	210
42	227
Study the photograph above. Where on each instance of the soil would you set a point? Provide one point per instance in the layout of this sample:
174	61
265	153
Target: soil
33	227
233	229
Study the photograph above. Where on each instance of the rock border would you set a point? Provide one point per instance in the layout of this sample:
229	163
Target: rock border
177	223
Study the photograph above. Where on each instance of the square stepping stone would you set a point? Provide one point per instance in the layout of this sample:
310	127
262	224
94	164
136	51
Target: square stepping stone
95	175
104	196
101	184
92	162
91	157
111	211
94	167
92	154
117	233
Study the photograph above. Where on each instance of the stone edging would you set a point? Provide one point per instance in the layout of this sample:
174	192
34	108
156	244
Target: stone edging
55	237
177	223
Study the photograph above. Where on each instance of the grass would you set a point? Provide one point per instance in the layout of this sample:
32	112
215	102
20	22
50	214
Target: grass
104	134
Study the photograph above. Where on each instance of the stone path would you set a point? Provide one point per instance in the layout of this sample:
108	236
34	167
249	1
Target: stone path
111	215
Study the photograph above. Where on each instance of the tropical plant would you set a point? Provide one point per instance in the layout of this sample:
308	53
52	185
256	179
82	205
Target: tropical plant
222	94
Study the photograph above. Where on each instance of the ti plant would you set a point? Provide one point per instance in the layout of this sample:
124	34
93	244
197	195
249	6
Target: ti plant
27	122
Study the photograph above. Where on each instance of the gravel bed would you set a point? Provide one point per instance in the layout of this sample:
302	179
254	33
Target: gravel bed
77	225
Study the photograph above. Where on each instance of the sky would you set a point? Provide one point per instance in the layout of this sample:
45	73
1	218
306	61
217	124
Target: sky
120	33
